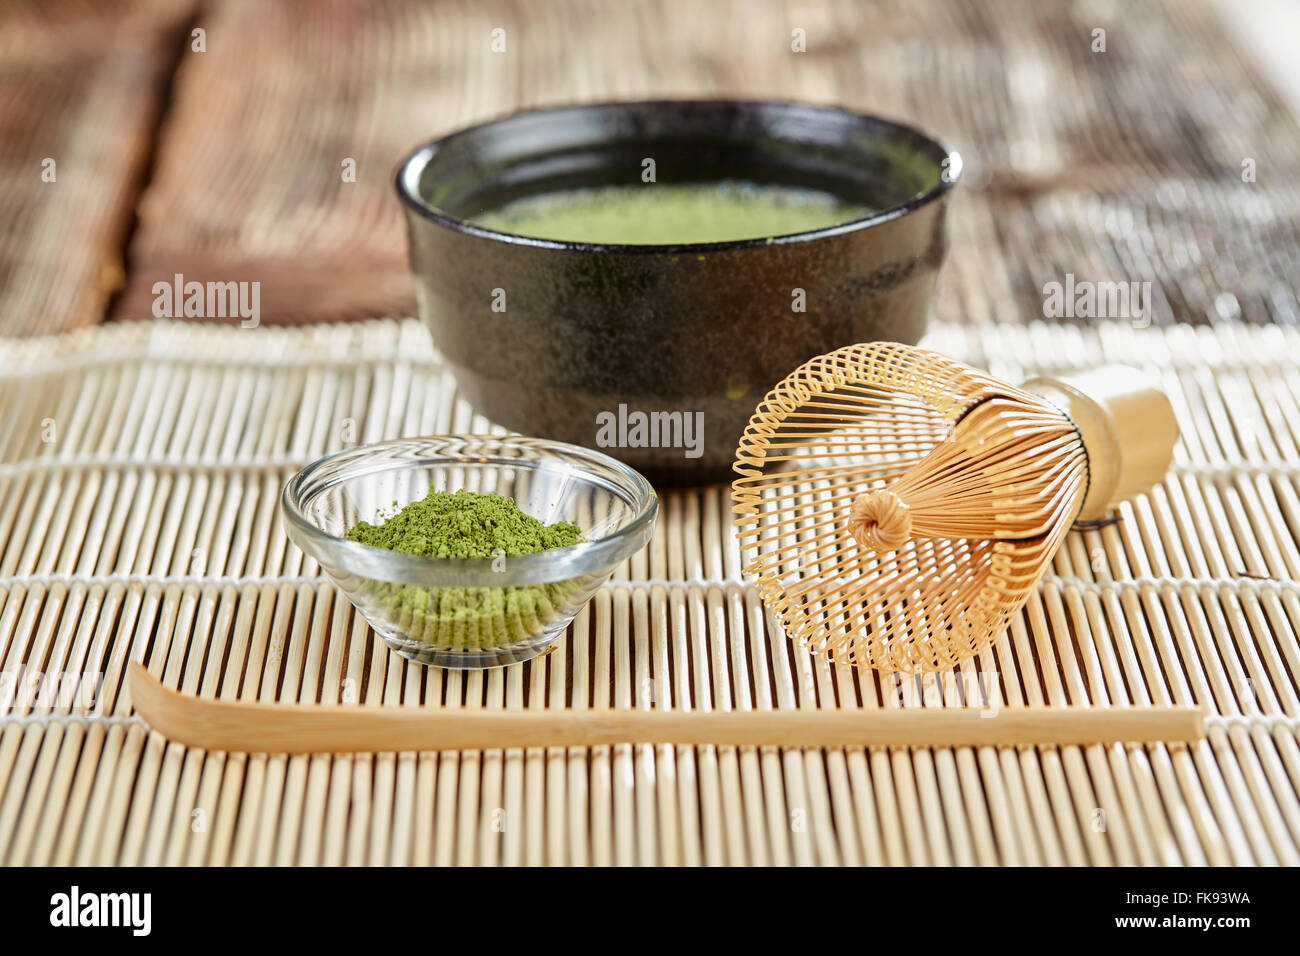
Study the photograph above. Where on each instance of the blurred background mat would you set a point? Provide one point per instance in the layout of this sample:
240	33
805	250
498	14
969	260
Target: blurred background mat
1169	156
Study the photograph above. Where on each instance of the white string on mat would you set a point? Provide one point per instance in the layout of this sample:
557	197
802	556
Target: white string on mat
163	580
1271	469
70	363
185	580
245	463
1122	584
85	720
1272	721
625	584
314	354
641	584
28	465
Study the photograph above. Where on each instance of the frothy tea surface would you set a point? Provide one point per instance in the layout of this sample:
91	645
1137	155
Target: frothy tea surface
667	214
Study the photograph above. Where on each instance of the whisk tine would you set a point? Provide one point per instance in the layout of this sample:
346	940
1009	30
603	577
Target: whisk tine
897	507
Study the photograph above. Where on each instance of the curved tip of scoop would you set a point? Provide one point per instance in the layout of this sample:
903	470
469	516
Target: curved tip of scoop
146	691
180	718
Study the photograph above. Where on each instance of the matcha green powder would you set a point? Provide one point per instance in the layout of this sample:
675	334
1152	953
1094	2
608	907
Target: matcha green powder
464	524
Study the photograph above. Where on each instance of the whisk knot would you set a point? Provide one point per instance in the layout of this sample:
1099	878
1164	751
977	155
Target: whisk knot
880	521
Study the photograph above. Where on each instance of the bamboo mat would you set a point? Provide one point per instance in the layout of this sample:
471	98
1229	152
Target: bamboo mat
138	520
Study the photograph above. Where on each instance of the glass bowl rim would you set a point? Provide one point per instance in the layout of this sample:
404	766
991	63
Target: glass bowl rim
338	553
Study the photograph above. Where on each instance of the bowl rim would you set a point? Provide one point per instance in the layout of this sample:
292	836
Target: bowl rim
558	564
408	171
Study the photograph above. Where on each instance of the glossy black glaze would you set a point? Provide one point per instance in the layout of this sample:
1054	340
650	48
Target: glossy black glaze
690	328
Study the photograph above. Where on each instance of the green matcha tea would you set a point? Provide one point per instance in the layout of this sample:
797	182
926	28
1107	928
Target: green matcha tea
463	524
668	214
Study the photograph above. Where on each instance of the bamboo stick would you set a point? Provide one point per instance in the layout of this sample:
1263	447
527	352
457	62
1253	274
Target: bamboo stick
286	728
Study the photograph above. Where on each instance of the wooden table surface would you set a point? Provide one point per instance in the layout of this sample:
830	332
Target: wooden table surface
211	138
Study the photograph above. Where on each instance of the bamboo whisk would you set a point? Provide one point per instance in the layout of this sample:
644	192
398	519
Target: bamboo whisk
898	507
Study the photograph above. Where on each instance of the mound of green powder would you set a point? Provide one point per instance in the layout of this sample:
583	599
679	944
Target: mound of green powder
464	524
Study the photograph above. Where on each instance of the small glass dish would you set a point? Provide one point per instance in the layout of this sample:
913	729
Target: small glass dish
470	612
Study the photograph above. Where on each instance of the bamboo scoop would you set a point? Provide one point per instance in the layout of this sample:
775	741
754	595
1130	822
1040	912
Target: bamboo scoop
898	507
292	728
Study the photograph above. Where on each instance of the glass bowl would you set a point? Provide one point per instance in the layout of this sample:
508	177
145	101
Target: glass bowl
470	612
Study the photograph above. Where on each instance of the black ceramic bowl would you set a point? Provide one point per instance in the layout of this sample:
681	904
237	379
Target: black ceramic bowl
693	328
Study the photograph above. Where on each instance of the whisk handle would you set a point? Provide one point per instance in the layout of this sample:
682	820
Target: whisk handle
1128	429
